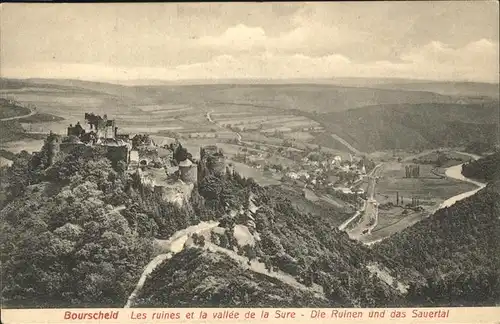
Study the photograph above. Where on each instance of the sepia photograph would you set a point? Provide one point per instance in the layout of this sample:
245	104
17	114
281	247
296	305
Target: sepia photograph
250	155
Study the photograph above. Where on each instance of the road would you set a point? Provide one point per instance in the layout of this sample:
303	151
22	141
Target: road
32	112
369	208
173	245
454	172
346	144
370	214
209	118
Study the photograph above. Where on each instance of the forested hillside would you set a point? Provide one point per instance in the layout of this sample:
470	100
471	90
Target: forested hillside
455	251
486	169
79	233
305	247
412	126
64	242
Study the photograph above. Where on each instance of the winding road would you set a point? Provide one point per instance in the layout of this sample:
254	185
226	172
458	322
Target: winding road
209	118
178	240
171	246
32	112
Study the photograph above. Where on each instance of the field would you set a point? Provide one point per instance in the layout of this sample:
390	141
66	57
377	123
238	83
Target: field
266	117
389	224
430	190
428	187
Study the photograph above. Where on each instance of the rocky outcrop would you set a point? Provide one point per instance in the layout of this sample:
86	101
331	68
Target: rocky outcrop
177	192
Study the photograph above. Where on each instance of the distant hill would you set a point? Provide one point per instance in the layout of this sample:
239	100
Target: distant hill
412	126
320	97
455	251
473	89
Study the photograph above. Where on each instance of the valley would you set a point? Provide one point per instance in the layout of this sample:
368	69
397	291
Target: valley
344	170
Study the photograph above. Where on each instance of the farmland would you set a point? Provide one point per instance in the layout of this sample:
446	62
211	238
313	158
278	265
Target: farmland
266	122
428	187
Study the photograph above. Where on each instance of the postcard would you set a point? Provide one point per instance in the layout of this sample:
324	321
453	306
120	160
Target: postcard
298	162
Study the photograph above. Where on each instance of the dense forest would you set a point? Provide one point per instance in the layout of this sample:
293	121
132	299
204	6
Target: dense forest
412	126
486	169
307	247
79	232
63	241
455	253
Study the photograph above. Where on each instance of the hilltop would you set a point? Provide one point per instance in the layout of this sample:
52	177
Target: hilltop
413	126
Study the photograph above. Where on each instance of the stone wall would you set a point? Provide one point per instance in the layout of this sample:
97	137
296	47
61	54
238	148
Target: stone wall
189	174
211	161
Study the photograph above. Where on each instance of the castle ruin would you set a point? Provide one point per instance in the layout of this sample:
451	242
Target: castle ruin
212	161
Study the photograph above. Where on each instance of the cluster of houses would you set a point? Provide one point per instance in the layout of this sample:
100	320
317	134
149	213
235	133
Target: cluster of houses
333	173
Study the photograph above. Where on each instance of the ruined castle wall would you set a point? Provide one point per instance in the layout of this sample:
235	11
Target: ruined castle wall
68	147
189	174
211	161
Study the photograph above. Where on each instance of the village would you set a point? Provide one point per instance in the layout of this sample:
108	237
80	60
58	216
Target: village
315	169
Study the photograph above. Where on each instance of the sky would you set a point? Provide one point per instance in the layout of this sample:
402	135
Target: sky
456	40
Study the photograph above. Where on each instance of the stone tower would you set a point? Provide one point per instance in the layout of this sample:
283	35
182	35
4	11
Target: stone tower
187	171
53	145
212	161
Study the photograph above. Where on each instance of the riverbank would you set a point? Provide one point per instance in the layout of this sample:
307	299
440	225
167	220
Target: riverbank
453	172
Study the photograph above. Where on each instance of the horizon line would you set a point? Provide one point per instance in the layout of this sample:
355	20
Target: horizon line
212	80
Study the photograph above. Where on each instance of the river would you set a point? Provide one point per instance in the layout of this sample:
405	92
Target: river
454	172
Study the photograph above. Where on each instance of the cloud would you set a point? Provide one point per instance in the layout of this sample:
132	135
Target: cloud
476	60
239	37
312	38
436	61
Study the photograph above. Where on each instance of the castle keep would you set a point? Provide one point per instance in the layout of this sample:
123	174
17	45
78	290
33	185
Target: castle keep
168	171
100	133
212	161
